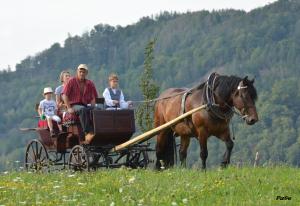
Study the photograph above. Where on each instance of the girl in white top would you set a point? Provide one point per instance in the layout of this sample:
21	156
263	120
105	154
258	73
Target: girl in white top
48	109
113	96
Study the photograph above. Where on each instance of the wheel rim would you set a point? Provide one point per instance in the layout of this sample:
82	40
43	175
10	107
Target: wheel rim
78	159
36	157
138	159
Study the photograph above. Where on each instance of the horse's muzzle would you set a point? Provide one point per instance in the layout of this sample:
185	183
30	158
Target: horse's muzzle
251	120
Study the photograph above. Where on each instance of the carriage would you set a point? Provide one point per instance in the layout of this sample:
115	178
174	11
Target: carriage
69	150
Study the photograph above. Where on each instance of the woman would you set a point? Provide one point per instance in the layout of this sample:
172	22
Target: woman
64	78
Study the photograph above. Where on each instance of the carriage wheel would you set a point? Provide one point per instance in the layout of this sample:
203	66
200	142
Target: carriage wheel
137	159
36	157
99	160
78	159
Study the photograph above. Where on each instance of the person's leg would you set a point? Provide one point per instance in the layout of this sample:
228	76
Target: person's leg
50	125
85	119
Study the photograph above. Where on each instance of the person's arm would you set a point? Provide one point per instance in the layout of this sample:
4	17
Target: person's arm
108	101
123	103
58	100
67	103
40	109
65	97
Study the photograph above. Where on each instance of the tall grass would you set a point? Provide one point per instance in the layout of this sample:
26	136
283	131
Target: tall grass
232	186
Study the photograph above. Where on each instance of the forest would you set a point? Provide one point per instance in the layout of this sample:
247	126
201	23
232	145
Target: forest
263	44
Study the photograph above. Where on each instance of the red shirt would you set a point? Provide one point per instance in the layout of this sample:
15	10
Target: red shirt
72	91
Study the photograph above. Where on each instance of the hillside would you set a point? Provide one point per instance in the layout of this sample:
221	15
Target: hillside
233	186
263	43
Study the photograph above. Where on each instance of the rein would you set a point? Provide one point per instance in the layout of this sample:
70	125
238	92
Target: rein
209	94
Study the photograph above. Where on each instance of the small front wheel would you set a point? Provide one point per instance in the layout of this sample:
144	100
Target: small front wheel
78	159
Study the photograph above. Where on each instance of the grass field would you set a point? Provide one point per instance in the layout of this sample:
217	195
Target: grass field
232	186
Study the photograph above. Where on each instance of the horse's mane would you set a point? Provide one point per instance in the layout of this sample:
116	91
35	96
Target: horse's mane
226	85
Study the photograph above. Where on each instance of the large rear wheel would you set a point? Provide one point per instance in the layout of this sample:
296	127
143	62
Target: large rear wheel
36	157
78	159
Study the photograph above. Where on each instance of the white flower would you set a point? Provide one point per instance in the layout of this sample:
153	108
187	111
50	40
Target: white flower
174	204
112	204
185	201
120	190
80	183
56	186
71	175
131	180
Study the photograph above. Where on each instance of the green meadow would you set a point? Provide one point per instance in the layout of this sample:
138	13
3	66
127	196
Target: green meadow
232	186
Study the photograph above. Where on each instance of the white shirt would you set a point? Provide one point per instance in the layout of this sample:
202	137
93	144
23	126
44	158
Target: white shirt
48	107
109	101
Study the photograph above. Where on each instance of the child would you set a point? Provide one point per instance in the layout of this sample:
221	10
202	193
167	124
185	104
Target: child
48	109
113	96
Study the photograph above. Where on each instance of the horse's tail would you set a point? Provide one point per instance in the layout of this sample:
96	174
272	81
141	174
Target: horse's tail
169	148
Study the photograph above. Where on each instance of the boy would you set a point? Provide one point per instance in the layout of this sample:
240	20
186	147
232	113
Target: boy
48	109
113	96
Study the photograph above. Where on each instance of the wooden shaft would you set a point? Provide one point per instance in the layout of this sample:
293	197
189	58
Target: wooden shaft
152	132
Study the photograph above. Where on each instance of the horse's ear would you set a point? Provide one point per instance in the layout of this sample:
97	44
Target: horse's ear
246	78
252	81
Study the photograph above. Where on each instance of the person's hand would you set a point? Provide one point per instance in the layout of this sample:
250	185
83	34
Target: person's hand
115	102
70	110
130	104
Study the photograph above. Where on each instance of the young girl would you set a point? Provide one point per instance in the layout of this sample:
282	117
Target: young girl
113	96
48	109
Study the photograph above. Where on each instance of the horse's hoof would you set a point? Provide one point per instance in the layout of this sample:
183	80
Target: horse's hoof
223	165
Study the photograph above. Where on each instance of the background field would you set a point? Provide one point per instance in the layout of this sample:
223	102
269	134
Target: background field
232	186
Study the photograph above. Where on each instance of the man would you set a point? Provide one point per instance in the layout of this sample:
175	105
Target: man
77	94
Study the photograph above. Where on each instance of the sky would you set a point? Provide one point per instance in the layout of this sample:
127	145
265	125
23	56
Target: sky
31	26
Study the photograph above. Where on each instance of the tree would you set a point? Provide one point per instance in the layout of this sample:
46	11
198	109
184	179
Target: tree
149	90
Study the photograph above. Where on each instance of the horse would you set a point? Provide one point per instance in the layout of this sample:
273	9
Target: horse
223	96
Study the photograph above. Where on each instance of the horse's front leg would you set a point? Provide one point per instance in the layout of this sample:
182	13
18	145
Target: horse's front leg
202	137
229	145
184	144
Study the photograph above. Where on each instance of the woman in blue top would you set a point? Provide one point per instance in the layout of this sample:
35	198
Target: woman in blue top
64	78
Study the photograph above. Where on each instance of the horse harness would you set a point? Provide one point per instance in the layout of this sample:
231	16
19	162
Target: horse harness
214	108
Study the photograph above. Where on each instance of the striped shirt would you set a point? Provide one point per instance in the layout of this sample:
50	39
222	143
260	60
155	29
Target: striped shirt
75	96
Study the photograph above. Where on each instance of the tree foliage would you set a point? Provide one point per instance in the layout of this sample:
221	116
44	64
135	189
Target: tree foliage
149	90
264	42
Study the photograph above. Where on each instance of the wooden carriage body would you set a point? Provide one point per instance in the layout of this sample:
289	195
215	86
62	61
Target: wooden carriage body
111	127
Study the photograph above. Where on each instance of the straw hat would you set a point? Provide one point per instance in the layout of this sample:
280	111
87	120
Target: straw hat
83	66
48	90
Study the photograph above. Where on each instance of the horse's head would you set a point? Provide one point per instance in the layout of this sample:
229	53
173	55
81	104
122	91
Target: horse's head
244	98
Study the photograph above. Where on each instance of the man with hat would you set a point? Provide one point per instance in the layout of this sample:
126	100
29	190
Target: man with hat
77	94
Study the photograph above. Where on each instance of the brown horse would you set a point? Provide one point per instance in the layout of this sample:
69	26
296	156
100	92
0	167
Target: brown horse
222	94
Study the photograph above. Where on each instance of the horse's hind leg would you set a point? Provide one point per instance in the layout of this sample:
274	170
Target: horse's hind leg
161	149
184	144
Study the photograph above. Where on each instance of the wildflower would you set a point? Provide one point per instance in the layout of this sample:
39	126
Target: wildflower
71	175
185	201
80	183
174	204
112	204
120	190
6	172
56	186
131	180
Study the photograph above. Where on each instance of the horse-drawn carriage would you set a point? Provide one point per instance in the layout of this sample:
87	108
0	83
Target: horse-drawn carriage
177	112
69	149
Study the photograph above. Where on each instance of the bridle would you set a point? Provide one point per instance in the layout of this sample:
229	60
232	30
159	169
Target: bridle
216	108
